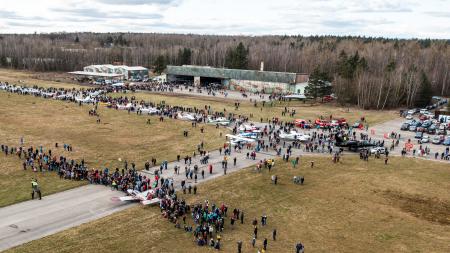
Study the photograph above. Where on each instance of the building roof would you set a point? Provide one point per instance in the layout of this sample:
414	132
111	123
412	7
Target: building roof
134	68
87	73
238	74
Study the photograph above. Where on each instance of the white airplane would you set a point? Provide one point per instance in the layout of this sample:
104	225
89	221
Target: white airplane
293	135
186	116
148	110
250	135
48	94
64	96
235	140
249	128
145	197
124	107
95	93
220	120
85	100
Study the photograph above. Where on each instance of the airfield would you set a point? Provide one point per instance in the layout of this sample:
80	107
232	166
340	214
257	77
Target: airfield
350	206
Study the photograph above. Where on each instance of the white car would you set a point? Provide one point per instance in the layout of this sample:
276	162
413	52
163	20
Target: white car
375	150
412	111
423	111
409	116
425	139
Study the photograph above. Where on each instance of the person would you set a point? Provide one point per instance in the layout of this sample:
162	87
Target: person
242	217
274	234
253	241
299	248
35	189
265	244
255	232
239	246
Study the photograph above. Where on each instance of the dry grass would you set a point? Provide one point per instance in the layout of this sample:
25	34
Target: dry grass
45	122
15	183
341	208
42	79
306	111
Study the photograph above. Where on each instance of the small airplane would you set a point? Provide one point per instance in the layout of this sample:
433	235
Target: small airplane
145	197
250	135
95	93
236	140
220	120
85	100
249	128
148	110
293	135
124	107
48	94
64	96
186	116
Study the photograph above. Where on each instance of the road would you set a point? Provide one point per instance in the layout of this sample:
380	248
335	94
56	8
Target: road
30	220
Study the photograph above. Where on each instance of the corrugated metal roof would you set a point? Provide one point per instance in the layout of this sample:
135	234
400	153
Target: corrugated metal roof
238	74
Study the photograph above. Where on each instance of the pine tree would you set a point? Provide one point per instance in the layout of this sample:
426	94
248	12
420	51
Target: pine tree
237	58
77	40
423	97
318	84
160	64
184	56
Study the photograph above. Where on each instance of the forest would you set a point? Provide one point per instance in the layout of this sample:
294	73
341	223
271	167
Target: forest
372	73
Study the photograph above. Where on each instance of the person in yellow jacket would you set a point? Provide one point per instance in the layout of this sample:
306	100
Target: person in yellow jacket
35	189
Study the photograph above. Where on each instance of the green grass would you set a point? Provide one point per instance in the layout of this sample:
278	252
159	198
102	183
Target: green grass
348	207
120	135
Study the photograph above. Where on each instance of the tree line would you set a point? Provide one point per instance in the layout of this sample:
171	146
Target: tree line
375	73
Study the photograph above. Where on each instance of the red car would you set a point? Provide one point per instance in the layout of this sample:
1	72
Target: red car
322	123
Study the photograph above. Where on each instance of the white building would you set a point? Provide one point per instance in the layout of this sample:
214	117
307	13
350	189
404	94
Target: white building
136	73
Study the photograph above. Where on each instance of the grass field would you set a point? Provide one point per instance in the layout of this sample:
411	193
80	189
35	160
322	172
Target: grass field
306	111
119	135
42	79
353	206
15	183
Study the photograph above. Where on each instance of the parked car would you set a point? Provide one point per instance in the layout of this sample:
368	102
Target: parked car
404	127
425	139
431	129
412	111
412	128
447	141
423	111
438	139
409	116
418	135
380	150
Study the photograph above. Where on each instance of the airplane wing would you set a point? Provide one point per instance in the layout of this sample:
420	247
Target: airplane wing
127	198
150	202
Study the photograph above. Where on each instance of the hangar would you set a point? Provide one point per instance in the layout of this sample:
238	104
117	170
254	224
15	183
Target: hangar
238	79
109	71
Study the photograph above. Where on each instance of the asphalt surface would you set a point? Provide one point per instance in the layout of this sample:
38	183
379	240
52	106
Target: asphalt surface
380	130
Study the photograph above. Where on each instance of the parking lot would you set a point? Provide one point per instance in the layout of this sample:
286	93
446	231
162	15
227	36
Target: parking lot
382	132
